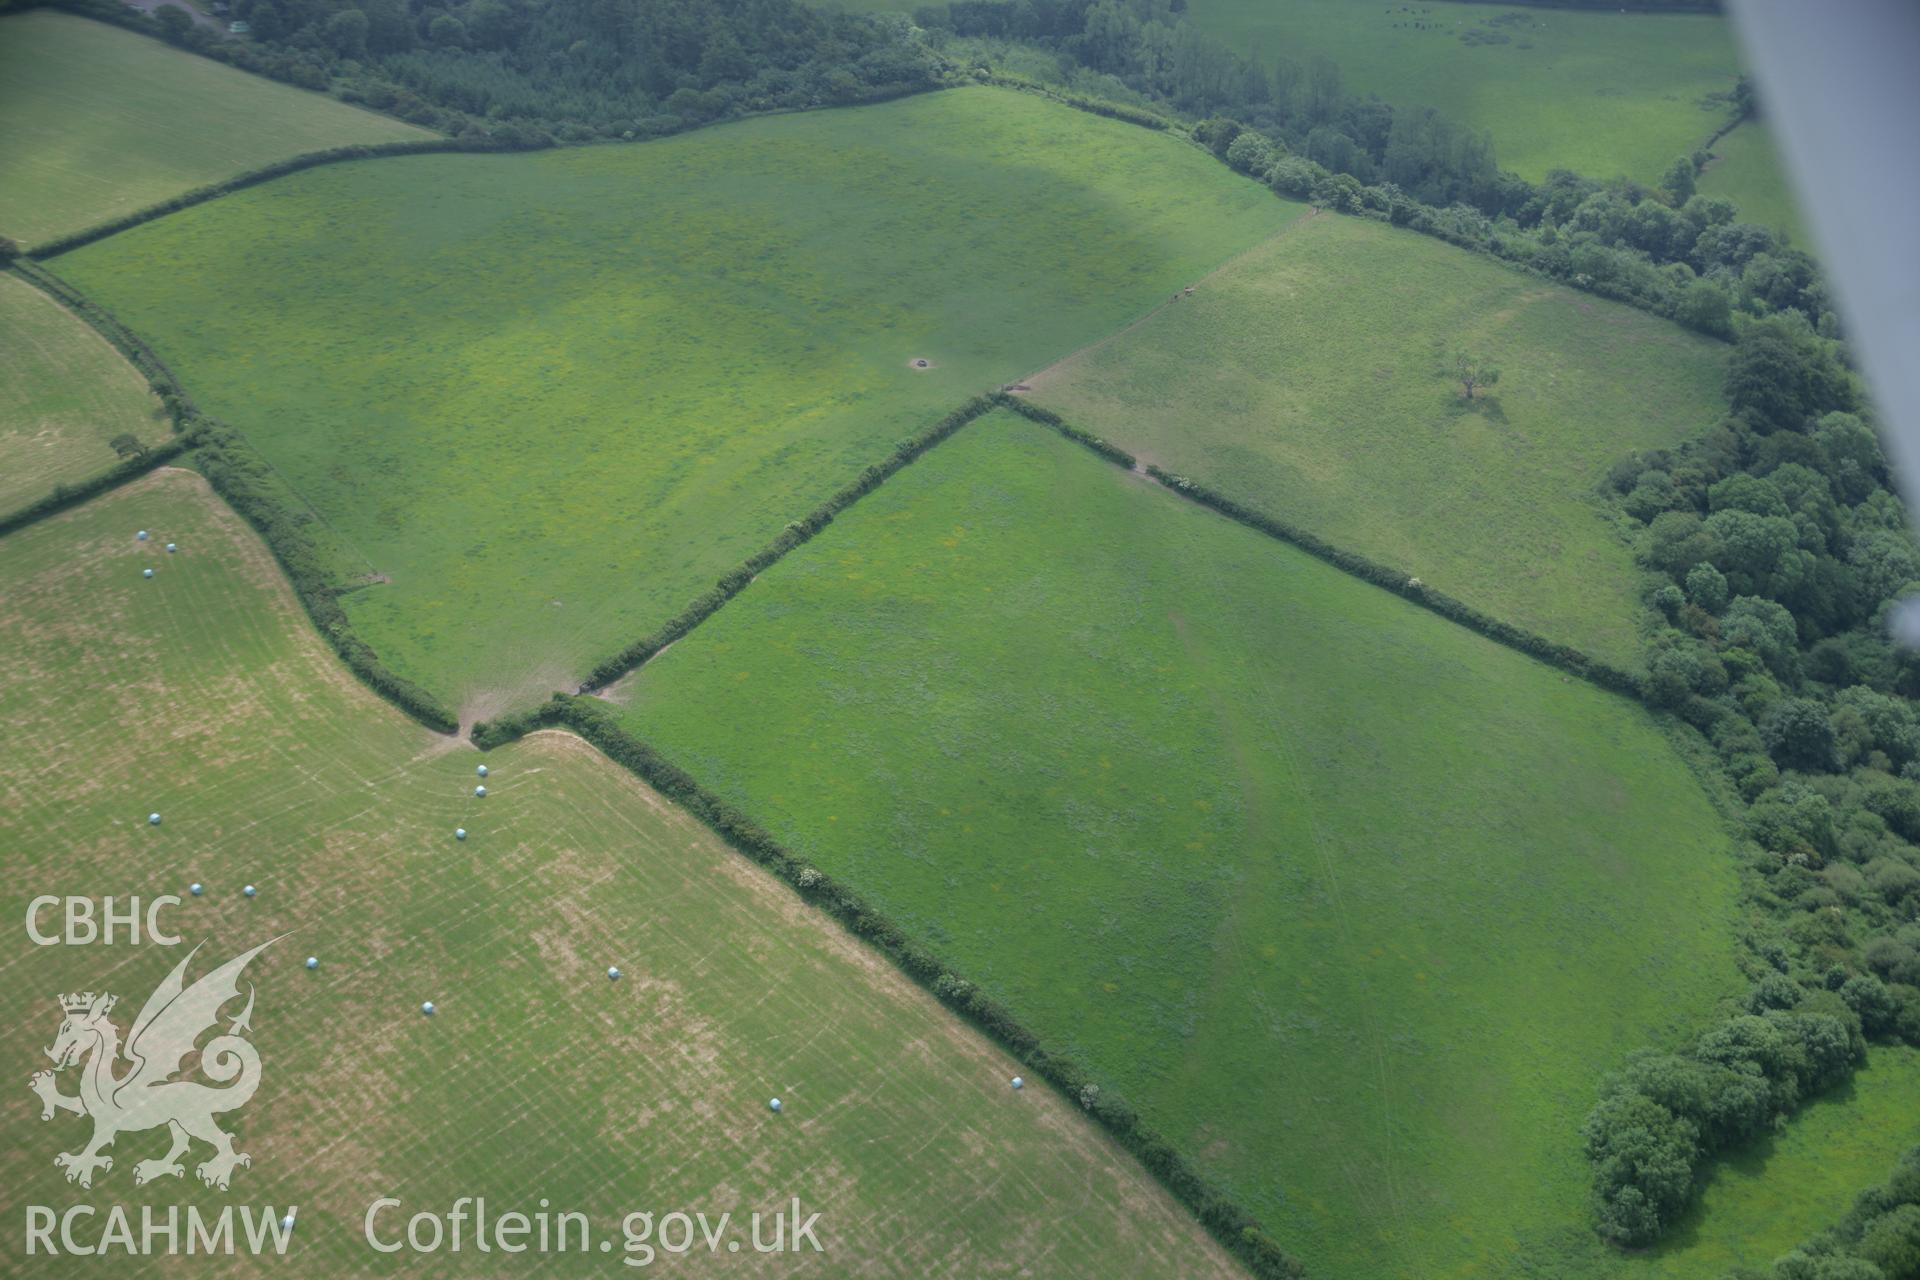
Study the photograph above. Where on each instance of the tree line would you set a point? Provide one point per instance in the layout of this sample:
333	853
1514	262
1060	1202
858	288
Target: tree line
531	72
1292	124
1666	1113
1225	1218
1776	548
1878	1239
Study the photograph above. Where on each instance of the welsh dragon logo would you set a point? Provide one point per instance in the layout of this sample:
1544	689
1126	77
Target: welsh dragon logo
145	1094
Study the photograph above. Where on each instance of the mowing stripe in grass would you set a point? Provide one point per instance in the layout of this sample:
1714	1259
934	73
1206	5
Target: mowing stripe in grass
64	496
1231	1223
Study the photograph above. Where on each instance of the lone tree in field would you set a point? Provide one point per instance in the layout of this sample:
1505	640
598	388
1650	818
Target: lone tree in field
127	445
1475	373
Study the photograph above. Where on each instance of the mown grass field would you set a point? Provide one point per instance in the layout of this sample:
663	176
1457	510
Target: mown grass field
556	396
64	393
1354	905
204	694
102	121
1601	93
1747	170
1311	380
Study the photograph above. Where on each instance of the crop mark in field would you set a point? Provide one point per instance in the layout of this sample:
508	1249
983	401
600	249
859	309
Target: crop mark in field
1035	381
1228	714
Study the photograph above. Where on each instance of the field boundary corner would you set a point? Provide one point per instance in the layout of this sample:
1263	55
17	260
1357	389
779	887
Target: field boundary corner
1225	1219
797	533
1565	657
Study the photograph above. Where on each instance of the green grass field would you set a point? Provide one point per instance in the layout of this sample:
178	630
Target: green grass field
1600	93
64	393
552	452
102	121
1268	848
1603	93
1746	169
1801	1181
1310	381
1763	1201
205	695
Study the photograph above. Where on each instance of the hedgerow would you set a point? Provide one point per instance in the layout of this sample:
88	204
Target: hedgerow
266	173
173	397
1662	249
1094	106
1231	1224
160	379
68	495
795	534
1566	657
1048	418
250	486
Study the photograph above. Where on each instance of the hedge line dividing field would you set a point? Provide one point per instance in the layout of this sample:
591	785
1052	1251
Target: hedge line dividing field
1232	1225
250	486
1095	106
181	414
1048	418
266	173
64	496
796	533
180	407
1413	216
1565	657
247	482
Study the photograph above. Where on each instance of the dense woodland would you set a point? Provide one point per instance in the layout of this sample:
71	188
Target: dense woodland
1779	549
533	72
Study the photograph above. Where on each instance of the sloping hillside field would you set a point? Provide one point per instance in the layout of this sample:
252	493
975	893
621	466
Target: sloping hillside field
65	393
203	695
1310	380
100	122
555	396
1354	905
1602	93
